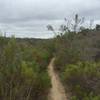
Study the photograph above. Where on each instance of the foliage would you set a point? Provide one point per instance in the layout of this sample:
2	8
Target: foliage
23	71
82	79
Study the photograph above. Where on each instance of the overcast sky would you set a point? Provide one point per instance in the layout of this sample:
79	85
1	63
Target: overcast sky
29	18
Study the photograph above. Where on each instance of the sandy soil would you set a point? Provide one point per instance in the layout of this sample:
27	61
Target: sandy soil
57	91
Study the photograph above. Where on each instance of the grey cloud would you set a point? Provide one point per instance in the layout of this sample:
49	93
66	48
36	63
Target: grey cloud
32	16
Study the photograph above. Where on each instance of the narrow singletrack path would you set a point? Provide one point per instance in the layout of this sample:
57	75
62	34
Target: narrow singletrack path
57	91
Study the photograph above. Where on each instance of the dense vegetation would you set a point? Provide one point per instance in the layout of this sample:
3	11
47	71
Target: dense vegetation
23	69
78	64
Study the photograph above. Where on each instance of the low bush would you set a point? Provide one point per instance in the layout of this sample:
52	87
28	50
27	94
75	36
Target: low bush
82	79
23	72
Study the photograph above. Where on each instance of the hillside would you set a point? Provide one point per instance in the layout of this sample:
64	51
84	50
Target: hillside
75	72
77	62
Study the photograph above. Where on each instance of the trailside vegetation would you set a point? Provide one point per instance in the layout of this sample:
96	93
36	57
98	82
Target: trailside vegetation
23	69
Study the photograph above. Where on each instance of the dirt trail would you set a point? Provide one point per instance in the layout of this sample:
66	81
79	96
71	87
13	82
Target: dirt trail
57	91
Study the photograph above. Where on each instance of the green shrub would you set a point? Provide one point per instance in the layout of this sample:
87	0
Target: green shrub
82	79
23	72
